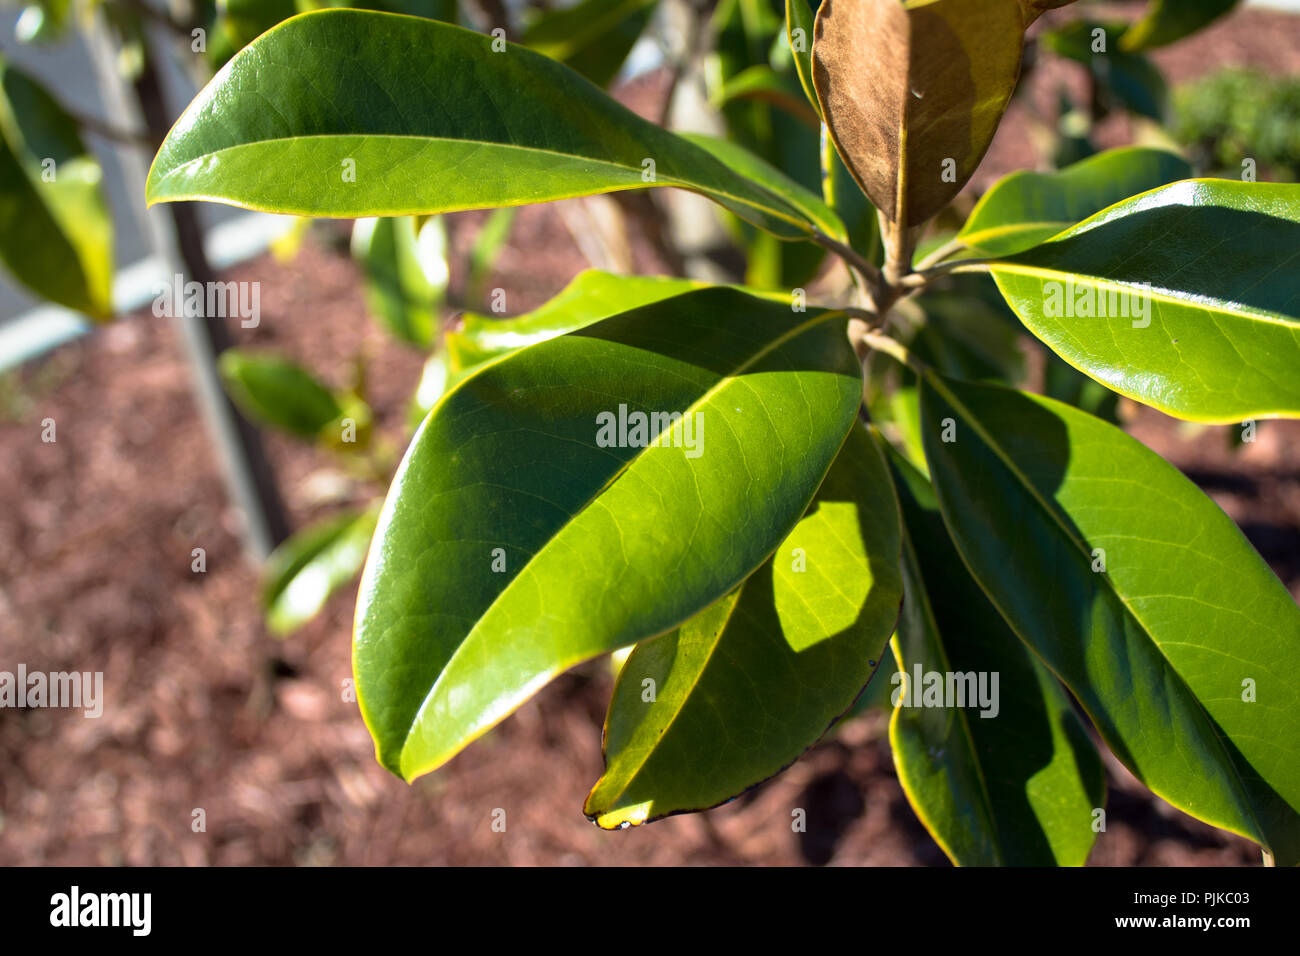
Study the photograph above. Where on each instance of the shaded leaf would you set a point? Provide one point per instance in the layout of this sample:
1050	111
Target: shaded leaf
1009	780
1138	592
592	37
1169	20
739	691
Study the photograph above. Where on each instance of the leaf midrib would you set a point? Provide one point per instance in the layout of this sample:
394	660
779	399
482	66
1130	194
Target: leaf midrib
773	210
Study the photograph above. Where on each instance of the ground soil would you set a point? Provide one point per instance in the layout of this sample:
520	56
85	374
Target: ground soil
205	711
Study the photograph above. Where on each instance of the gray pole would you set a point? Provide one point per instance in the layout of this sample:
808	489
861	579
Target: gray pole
177	238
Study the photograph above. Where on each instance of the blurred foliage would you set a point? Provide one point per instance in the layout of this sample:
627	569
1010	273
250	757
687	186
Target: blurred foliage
1236	114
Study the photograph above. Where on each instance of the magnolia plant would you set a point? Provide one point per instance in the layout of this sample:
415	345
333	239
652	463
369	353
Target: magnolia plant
704	474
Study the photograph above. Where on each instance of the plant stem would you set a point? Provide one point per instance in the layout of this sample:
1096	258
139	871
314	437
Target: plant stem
856	261
891	347
922	278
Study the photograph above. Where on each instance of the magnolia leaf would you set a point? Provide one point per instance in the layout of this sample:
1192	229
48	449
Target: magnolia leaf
912	94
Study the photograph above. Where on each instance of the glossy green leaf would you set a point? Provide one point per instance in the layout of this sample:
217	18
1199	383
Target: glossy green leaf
1167	21
348	113
275	391
592	295
1138	592
739	691
913	93
1185	298
800	20
1005	775
304	571
592	37
56	235
525	533
1025	208
404	283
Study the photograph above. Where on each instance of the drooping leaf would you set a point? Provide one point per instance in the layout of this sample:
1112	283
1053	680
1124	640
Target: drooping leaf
592	37
278	392
1010	779
913	94
1137	591
739	691
1169	20
1185	298
349	113
403	286
1025	208
531	526
56	235
304	571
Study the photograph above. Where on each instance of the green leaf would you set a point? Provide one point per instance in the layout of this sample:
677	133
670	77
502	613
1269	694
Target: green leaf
1010	779
404	283
1131	80
516	541
275	391
1026	208
755	169
56	235
740	690
592	37
488	243
761	82
1169	20
1185	298
248	19
800	20
592	295
348	113
913	126
304	571
1138	592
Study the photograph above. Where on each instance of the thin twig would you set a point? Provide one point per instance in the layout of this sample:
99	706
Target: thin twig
917	280
892	347
856	261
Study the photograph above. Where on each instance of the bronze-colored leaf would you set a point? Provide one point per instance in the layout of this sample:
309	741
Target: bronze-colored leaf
912	93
